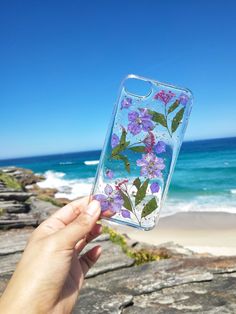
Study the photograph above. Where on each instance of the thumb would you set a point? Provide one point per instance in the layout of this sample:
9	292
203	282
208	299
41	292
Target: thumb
79	228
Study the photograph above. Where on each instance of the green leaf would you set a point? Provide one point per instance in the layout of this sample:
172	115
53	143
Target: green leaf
138	149
141	193
124	159
149	207
122	144
116	150
119	148
123	137
177	120
127	164
158	117
173	106
137	183
115	154
127	203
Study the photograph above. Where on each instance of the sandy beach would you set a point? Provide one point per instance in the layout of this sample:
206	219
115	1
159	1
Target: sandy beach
202	232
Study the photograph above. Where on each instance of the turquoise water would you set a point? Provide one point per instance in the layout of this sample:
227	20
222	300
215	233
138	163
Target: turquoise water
204	177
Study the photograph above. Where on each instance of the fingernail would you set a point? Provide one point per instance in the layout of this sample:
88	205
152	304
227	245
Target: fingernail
92	208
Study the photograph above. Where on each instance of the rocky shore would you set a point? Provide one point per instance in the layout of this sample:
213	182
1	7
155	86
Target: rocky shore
130	277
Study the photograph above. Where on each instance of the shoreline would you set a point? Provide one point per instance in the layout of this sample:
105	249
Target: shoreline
201	232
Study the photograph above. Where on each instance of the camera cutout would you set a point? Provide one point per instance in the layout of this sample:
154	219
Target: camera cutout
137	87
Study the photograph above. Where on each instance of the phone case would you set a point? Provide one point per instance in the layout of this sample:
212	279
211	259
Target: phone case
140	151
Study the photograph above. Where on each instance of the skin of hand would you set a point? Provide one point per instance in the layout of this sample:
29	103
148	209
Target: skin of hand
50	273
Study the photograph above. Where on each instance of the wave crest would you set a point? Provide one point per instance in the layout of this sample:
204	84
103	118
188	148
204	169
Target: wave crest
70	189
66	163
91	162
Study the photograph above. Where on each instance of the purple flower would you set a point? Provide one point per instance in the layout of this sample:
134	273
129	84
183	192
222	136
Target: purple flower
151	165
163	96
114	140
109	174
149	142
112	200
139	121
160	147
154	187
183	99
125	213
126	103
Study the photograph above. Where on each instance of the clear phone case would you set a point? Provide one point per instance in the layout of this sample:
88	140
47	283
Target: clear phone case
140	151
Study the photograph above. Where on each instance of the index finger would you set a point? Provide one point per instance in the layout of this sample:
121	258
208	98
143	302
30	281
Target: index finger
61	218
71	211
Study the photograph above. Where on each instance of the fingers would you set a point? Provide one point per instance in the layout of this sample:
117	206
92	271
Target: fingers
80	227
61	218
69	212
107	213
88	259
95	232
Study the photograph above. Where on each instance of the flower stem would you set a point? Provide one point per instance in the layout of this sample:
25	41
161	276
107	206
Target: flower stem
166	116
133	209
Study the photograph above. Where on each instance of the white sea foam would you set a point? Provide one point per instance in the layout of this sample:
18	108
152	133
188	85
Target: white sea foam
199	204
91	162
66	163
70	189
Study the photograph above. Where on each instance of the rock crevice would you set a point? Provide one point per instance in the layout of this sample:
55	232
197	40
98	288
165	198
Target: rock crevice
180	282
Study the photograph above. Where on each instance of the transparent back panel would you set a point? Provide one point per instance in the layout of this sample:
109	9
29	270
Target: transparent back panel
140	151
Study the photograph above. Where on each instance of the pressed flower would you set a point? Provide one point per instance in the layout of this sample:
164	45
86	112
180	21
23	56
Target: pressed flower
164	96
126	103
149	142
114	140
119	185
160	147
112	200
151	165
125	213
154	187
183	99
109	174
140	121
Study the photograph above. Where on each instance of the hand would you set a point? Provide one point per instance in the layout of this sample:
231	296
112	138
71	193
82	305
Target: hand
50	273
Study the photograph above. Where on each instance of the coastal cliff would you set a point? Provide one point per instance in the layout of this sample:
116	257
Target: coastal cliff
130	277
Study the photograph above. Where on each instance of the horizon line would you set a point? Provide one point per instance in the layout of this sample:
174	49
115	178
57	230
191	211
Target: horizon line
99	149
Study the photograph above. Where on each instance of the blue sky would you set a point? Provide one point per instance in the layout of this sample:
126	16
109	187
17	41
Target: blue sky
61	63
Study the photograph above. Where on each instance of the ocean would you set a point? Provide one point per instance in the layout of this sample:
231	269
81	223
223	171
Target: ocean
204	178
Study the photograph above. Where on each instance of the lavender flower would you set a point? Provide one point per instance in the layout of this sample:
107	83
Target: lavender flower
160	147
139	121
183	99
151	165
126	103
163	96
125	213
112	200
155	187
114	140
109	174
